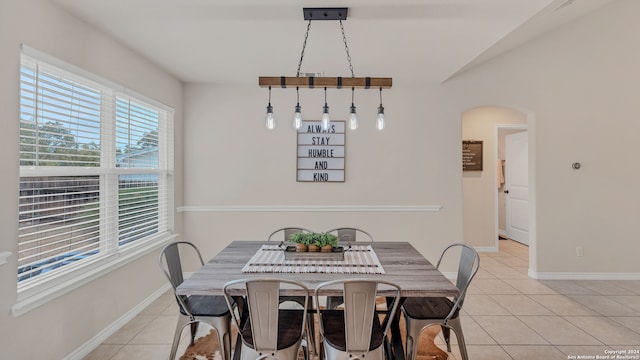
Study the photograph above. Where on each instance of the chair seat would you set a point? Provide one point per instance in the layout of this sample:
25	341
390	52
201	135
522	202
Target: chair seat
428	308
289	325
334	332
206	305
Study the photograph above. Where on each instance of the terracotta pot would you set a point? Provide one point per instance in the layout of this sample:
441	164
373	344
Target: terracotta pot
327	248
314	248
301	247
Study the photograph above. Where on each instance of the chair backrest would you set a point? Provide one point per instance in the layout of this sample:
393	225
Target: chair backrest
468	266
170	260
360	307
263	303
350	234
287	232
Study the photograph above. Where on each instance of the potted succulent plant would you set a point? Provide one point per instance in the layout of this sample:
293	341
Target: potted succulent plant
301	240
328	242
314	242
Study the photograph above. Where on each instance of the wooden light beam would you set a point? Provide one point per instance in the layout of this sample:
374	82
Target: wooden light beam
322	82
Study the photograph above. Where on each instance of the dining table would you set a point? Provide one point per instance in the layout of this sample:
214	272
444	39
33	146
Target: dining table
394	261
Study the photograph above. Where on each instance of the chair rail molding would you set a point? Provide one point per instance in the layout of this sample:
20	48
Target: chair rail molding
3	257
311	208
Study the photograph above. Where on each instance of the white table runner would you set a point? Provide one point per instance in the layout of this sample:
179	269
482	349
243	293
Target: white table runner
358	259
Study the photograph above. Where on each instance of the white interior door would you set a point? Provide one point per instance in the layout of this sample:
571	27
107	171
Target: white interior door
516	177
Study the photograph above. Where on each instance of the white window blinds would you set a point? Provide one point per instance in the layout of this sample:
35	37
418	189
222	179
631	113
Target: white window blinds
94	170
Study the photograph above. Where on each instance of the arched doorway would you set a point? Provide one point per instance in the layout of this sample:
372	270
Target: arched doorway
483	193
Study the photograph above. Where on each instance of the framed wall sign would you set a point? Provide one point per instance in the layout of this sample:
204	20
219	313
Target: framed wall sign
472	155
321	152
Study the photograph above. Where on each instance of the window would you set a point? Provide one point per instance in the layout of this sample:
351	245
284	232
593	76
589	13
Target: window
95	170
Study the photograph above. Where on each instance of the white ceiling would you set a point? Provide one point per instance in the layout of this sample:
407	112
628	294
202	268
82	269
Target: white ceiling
235	41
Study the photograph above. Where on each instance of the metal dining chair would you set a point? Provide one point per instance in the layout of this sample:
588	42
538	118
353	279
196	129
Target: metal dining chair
309	341
267	329
356	331
420	313
346	236
194	309
287	232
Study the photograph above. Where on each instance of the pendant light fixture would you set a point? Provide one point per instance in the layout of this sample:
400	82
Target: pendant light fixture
270	122
297	114
353	118
326	121
312	82
380	118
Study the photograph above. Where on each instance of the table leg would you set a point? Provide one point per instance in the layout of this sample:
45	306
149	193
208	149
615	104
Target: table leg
397	346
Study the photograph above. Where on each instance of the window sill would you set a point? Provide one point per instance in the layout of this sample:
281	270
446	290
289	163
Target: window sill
37	297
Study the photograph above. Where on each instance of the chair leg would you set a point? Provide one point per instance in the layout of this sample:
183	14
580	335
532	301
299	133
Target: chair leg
413	330
182	322
446	333
194	331
456	325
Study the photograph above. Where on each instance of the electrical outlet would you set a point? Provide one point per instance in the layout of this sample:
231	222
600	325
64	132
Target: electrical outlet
579	251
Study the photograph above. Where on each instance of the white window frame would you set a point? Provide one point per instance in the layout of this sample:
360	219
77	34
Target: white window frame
45	287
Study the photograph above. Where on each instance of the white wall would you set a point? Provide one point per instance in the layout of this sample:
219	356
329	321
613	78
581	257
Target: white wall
56	329
232	160
582	83
479	187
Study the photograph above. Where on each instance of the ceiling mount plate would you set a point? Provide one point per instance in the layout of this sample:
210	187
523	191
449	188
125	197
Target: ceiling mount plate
325	13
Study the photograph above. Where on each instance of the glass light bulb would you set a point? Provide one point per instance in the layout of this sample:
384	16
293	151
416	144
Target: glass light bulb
380	124
297	118
353	118
270	122
325	121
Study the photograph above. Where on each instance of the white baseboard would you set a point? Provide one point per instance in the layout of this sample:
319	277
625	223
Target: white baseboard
84	350
583	276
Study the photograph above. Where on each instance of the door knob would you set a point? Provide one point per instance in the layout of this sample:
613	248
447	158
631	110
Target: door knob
506	191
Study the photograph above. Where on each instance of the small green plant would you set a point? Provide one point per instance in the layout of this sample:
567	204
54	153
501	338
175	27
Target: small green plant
300	238
314	240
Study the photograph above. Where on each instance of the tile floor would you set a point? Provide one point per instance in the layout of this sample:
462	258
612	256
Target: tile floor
506	315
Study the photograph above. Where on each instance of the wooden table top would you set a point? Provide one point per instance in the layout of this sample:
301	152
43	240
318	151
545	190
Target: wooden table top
403	265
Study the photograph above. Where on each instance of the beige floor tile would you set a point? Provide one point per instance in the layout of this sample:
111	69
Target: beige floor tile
143	352
562	305
130	330
608	331
529	286
509	330
494	286
558	331
603	287
159	331
604	306
473	333
534	352
632	286
103	352
512	261
160	305
632	323
483	305
521	305
567	287
489	261
505	272
484	352
483	274
632	301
